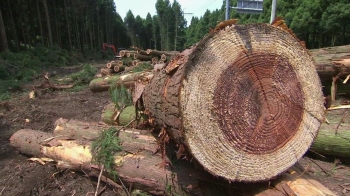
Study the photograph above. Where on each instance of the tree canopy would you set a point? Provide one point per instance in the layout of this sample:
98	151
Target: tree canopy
82	26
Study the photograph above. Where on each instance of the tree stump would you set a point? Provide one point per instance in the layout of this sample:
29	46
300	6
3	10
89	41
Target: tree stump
246	101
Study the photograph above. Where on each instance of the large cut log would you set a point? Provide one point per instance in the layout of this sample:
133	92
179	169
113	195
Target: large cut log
334	136
246	101
118	69
110	115
139	168
332	60
107	71
142	57
159	53
103	84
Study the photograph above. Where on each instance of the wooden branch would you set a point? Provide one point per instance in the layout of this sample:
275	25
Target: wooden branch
46	84
103	84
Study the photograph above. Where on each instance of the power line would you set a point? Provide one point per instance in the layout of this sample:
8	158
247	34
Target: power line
205	5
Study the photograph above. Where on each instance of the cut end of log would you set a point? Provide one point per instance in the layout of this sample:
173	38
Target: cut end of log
251	110
246	101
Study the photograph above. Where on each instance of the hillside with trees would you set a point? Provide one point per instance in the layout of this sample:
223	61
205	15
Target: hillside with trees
318	23
36	34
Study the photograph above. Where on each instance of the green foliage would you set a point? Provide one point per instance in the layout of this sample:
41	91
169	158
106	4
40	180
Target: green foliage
85	76
318	23
104	148
24	65
120	95
5	96
77	88
142	67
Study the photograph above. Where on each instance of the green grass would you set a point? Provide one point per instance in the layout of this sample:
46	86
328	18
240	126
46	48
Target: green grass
85	76
143	67
5	96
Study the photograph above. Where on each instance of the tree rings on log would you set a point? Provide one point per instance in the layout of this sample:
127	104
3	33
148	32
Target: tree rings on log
250	101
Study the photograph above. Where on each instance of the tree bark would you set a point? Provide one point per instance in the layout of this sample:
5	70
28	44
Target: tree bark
245	110
139	167
48	24
13	27
142	57
40	24
332	61
68	26
118	69
103	84
159	53
110	117
333	137
107	71
3	40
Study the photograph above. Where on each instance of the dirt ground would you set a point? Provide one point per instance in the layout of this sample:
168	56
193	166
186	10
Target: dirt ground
22	177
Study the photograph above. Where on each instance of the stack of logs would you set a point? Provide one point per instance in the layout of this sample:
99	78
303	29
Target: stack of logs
135	56
242	110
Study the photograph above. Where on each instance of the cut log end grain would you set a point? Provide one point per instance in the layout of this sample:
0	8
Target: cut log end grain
250	101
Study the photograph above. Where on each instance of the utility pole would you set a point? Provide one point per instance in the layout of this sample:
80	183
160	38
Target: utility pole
273	10
227	10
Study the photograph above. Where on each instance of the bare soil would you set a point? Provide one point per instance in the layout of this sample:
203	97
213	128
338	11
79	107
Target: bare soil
19	176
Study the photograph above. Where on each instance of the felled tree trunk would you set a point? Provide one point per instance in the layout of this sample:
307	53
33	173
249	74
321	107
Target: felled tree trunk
159	53
334	137
110	115
103	84
332	60
118	69
246	101
140	168
142	57
107	71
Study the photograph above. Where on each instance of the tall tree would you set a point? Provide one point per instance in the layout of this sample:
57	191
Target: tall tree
156	32
180	24
148	25
3	40
48	24
130	25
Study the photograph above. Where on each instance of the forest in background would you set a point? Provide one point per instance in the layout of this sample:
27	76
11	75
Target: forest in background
39	33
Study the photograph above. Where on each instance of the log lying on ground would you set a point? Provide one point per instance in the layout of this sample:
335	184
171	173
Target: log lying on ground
142	57
134	62
118	69
139	51
123	53
246	101
125	117
332	61
139	168
334	137
103	84
107	71
46	84
159	53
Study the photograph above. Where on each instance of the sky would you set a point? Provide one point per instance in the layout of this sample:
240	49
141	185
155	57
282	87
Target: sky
142	7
